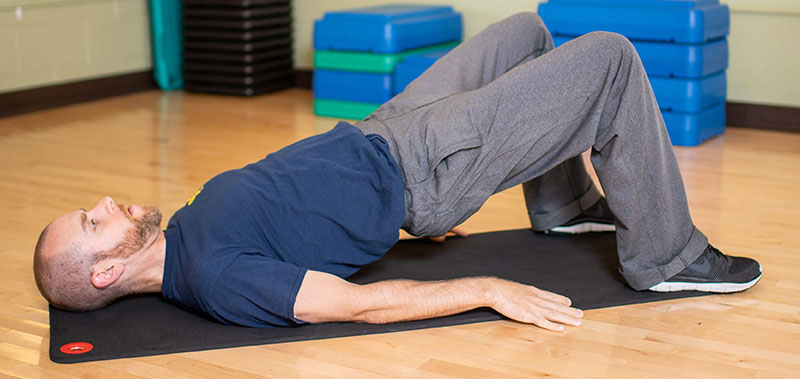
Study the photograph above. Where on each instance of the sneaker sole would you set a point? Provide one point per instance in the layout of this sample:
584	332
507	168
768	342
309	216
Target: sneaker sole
584	227
718	287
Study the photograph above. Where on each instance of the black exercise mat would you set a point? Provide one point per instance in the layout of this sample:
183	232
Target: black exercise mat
583	268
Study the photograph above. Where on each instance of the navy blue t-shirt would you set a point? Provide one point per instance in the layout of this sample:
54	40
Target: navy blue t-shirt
239	249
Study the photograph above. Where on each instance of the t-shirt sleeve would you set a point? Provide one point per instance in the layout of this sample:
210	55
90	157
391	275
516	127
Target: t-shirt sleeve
256	291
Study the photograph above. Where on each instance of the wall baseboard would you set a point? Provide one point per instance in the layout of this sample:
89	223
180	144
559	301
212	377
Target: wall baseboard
37	99
303	78
766	117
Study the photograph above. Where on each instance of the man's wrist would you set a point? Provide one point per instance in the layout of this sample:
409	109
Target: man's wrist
488	287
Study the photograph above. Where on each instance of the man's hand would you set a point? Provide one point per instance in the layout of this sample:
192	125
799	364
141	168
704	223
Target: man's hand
452	233
531	305
324	297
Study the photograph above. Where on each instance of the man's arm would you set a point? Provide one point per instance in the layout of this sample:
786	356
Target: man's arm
324	297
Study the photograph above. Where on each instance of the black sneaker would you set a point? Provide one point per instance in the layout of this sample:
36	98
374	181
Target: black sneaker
714	271
598	218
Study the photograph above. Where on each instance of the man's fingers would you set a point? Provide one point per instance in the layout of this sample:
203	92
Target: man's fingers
548	319
459	232
564	318
558	312
453	232
547	324
554	297
573	313
531	305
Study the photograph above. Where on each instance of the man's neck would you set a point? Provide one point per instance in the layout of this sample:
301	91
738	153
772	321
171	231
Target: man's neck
152	265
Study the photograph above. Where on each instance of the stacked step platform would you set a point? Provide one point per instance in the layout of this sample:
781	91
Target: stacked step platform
237	47
365	56
683	47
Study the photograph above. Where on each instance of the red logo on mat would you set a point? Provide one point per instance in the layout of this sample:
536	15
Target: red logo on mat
76	348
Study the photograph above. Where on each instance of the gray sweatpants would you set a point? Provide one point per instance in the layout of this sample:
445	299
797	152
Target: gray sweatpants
505	108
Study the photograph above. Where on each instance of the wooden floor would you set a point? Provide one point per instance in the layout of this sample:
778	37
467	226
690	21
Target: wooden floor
157	148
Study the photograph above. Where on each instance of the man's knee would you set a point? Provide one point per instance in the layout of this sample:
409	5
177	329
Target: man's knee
525	23
611	42
605	48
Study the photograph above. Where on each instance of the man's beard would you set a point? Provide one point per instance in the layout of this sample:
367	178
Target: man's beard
135	239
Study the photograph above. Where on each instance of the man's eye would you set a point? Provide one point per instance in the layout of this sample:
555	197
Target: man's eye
94	224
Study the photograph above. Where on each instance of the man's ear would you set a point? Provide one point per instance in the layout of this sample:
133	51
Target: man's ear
106	273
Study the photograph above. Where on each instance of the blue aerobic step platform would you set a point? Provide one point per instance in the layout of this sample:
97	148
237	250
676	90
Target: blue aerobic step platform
359	53
687	21
691	129
689	95
369	88
387	29
682	60
364	87
683	47
413	66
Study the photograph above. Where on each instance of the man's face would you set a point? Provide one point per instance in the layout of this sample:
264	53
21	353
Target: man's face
108	226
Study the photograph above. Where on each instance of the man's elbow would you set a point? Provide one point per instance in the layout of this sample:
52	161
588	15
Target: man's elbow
372	318
326	298
339	311
332	313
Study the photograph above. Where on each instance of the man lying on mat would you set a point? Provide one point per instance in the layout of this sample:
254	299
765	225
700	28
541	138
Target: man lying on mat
270	243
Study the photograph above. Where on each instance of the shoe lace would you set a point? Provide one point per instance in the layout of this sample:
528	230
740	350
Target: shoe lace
718	255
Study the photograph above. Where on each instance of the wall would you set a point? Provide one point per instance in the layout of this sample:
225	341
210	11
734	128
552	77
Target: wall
66	40
765	52
764	40
45	42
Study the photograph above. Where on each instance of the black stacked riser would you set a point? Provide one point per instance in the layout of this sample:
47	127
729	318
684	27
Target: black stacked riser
239	47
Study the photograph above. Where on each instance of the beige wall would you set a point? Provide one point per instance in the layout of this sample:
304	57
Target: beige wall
765	57
764	40
58	41
44	42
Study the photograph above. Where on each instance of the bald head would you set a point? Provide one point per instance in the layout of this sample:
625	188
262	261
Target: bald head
70	248
63	272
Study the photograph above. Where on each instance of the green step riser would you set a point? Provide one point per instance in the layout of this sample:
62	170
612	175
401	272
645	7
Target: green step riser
344	109
367	62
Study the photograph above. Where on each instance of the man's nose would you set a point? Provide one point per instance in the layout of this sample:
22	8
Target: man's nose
105	205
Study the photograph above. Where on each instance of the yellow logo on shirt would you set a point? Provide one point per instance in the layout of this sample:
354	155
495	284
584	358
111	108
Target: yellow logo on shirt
191	199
